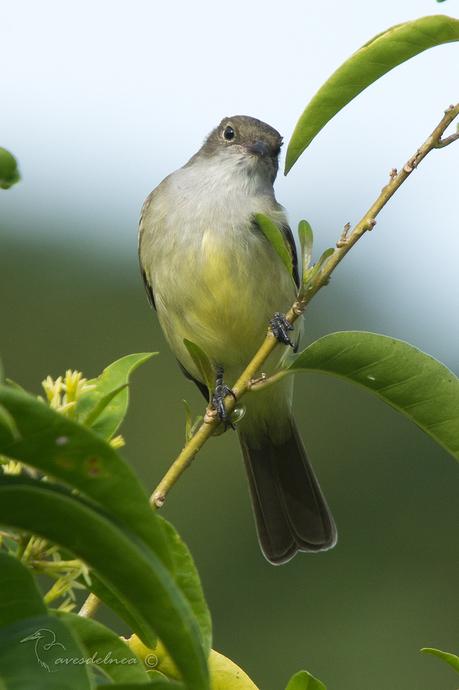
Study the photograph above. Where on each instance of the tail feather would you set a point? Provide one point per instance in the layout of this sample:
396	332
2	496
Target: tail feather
290	511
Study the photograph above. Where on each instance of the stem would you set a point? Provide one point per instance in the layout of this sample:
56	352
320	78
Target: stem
90	606
241	386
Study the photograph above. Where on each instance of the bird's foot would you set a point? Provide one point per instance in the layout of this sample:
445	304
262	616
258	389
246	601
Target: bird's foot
218	398
280	328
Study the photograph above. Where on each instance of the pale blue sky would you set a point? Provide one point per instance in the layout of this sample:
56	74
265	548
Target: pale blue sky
100	100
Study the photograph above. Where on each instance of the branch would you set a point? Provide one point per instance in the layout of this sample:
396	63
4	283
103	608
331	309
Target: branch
308	291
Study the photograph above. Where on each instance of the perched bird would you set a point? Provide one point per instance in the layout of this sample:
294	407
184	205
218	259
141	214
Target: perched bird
215	279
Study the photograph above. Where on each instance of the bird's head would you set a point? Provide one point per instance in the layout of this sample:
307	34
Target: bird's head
37	635
249	142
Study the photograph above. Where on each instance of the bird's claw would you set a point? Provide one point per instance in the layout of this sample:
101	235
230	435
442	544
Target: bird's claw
280	328
218	398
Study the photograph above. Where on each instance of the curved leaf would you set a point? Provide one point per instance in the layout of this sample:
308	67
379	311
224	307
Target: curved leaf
274	235
25	629
384	52
9	173
64	449
155	684
414	383
203	364
137	576
111	655
19	595
450	659
306	238
304	681
110	397
118	605
187	578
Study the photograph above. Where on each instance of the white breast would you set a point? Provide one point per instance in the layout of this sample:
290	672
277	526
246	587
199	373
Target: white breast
215	278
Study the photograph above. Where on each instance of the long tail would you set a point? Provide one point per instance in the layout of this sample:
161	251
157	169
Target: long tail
290	511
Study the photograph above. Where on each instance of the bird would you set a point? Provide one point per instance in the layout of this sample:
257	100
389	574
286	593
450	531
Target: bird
216	280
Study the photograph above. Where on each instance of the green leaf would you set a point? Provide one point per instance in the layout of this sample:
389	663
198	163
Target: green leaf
155	684
19	595
106	404
119	558
64	449
203	364
9	173
310	273
275	236
450	659
117	604
409	380
381	54
7	421
111	655
306	240
94	414
187	578
188	420
304	681
25	628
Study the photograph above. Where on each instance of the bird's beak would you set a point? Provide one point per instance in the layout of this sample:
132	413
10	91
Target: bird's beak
259	148
34	636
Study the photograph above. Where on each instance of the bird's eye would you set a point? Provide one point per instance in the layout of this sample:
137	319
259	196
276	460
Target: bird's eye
229	133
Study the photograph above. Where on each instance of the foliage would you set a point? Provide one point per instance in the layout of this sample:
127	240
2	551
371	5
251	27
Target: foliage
375	58
9	173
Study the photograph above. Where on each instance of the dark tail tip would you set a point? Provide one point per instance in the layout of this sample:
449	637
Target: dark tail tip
290	510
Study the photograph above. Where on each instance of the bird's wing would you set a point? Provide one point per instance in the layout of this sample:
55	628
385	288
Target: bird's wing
288	234
146	282
151	298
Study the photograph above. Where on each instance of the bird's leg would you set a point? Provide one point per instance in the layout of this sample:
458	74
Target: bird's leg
280	328
218	398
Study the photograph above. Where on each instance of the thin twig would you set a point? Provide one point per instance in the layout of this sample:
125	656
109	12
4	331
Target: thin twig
90	606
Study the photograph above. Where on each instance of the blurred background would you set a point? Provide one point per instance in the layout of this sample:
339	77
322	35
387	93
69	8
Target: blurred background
99	102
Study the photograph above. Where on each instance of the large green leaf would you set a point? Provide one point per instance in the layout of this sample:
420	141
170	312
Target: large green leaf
117	604
450	659
384	52
275	236
304	681
412	382
64	449
156	684
119	558
110	396
9	173
111	655
187	578
26	629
